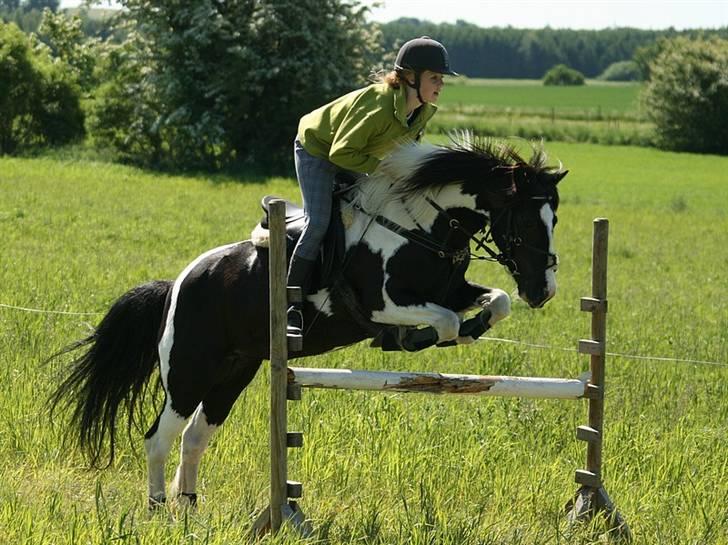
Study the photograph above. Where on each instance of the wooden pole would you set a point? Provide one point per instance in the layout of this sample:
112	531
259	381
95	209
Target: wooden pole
438	383
592	497
278	363
280	509
600	244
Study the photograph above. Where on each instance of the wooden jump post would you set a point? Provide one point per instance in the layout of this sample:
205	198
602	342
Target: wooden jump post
286	384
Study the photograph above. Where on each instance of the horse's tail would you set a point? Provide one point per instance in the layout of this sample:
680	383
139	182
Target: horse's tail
114	368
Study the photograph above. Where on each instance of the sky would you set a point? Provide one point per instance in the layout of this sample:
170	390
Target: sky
577	14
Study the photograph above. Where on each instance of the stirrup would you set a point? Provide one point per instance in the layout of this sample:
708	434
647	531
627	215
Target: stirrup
295	321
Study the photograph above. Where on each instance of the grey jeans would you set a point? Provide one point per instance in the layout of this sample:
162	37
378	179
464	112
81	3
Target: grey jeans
316	178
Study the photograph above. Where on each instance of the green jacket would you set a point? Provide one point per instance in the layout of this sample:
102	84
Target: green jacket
356	131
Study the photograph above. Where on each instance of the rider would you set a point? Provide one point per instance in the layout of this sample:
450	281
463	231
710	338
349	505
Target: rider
354	133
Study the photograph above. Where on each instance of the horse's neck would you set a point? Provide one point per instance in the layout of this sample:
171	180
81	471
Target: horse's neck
412	211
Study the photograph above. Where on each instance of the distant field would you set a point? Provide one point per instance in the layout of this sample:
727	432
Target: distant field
386	469
598	112
530	94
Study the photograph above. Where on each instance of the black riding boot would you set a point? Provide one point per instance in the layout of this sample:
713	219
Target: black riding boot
299	274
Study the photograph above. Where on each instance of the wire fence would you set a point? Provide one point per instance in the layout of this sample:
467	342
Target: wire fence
41	311
611	354
484	339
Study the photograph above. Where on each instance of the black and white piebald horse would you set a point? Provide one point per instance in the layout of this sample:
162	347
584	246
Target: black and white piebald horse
409	231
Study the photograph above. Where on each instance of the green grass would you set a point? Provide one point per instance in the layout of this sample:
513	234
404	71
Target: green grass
533	94
387	468
598	112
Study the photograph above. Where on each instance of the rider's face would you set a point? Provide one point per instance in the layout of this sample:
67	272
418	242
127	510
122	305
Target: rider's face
431	84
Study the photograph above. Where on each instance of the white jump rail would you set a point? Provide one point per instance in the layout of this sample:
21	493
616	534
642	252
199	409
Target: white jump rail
287	383
439	383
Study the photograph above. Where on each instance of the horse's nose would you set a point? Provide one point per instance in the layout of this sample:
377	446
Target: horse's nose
550	291
540	297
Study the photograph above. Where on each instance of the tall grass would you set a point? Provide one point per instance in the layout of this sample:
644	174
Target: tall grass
386	468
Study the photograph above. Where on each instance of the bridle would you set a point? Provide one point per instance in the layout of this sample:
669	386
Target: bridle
510	240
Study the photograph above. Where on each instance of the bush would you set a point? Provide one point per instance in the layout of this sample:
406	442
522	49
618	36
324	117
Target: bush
563	75
39	102
687	96
215	82
621	71
67	41
125	115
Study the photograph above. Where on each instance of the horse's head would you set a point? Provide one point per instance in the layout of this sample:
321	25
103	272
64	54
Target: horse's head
523	230
518	198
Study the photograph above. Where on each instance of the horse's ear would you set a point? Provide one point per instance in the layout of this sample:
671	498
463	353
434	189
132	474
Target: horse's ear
556	177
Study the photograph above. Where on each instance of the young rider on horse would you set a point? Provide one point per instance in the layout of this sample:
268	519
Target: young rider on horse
354	133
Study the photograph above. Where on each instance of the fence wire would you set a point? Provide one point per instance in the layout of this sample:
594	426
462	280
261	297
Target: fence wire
484	339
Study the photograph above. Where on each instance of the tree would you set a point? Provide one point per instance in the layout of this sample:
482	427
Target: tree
621	71
219	82
40	5
528	53
563	75
39	104
646	55
68	43
687	96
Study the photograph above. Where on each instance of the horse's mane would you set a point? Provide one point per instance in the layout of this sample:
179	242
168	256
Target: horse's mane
467	158
416	170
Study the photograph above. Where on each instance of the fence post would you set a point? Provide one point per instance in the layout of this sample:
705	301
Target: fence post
592	497
278	362
280	509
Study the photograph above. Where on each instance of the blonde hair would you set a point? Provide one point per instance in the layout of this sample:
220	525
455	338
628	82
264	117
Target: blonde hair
393	78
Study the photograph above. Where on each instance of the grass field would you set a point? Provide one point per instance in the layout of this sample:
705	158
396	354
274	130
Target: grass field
387	468
598	112
595	95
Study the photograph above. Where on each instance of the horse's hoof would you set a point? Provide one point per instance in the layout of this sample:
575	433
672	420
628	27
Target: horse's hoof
187	499
157	502
498	303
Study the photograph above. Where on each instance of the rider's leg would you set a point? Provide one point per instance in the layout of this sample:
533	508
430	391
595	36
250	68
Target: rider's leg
316	179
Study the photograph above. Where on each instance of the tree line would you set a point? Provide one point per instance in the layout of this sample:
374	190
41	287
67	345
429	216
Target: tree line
529	53
496	52
218	84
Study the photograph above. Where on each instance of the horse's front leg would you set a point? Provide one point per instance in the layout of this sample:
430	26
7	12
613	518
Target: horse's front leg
495	305
446	326
444	323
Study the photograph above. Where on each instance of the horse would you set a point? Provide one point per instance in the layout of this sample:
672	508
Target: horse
408	230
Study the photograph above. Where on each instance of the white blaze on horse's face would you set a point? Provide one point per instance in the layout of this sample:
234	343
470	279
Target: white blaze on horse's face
547	216
528	244
537	279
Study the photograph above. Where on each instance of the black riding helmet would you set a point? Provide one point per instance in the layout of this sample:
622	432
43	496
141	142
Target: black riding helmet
422	54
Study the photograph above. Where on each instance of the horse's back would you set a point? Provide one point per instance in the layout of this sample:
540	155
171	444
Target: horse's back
221	299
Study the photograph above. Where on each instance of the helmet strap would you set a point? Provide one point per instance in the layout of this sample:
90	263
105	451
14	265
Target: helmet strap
416	86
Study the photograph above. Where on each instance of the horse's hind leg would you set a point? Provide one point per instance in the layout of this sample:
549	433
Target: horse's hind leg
158	443
195	439
210	415
185	385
